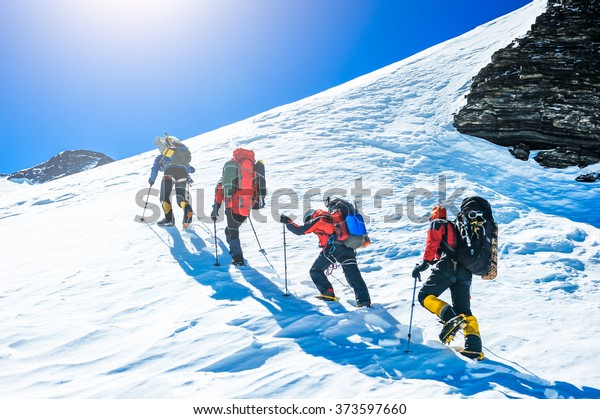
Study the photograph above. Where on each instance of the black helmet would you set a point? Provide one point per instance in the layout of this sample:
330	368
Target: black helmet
308	215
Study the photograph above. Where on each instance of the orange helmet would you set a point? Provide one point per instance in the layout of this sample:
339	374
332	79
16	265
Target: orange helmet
437	213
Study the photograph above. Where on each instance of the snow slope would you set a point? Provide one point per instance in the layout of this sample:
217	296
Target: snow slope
96	305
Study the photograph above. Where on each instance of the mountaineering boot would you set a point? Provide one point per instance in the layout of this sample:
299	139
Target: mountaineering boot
238	261
451	328
473	347
188	214
235	249
165	223
168	221
327	295
447	313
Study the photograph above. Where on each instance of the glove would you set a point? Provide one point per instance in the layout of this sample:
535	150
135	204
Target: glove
416	273
284	219
215	213
190	181
151	182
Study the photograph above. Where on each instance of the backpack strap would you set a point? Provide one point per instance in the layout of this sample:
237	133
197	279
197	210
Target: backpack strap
445	246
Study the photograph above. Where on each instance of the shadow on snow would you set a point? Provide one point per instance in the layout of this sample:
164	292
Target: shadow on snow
368	339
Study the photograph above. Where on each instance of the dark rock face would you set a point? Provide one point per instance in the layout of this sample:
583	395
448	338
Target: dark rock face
588	177
63	164
543	91
520	151
563	157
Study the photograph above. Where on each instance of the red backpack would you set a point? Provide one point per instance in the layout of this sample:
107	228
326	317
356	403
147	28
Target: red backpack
238	181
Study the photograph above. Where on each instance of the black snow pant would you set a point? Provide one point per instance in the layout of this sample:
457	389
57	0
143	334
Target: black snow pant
447	274
174	177
232	234
346	257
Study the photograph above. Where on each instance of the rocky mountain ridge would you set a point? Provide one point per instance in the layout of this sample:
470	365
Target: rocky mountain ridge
542	92
63	164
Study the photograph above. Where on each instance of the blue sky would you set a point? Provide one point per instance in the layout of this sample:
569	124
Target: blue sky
109	75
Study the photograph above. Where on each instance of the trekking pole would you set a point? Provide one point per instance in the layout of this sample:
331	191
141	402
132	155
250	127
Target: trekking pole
260	249
412	306
286	294
142	219
216	249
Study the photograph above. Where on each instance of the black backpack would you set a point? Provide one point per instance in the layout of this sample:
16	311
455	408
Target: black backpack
476	228
260	185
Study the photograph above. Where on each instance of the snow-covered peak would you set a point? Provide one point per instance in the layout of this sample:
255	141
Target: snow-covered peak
63	164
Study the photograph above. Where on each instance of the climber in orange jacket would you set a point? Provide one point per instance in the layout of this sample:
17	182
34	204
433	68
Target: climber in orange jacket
319	222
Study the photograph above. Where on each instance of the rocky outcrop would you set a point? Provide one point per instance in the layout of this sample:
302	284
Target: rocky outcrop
543	91
588	177
63	164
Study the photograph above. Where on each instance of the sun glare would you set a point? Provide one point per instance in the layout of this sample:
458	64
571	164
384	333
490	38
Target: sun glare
144	24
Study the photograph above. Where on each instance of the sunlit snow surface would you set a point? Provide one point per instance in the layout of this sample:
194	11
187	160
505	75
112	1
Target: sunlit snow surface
96	305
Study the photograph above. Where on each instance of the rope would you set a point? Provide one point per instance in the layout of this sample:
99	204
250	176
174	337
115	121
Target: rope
331	268
508	360
512	362
212	235
157	235
343	283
